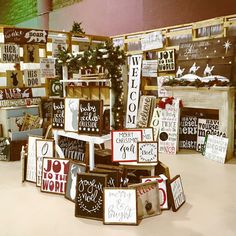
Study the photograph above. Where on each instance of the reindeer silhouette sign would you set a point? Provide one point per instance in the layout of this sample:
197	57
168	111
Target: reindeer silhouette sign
14	78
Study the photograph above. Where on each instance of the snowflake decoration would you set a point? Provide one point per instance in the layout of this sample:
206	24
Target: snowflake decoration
227	46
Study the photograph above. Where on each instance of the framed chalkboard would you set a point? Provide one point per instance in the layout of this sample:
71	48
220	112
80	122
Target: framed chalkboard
58	113
89	195
90	115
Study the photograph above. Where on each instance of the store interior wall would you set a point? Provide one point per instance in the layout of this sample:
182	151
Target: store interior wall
112	17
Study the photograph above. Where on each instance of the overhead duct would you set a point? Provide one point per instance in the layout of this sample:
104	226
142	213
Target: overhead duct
43	8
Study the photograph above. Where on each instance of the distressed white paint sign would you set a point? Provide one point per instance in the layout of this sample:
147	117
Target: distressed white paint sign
10	53
133	91
32	78
47	67
152	41
149	68
216	148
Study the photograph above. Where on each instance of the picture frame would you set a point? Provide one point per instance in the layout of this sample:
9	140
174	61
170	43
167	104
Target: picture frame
74	169
90	117
54	175
176	193
122	150
147	133
89	200
147	152
71	114
44	148
116	202
148	199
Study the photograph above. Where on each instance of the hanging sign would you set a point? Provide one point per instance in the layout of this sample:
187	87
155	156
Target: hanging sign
58	113
15	93
25	36
152	41
32	78
20	102
133	91
57	45
10	53
166	60
47	67
149	68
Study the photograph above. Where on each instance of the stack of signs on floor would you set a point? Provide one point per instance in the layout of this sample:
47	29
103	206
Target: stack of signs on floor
188	132
169	128
54	175
89	195
124	145
146	105
216	148
206	127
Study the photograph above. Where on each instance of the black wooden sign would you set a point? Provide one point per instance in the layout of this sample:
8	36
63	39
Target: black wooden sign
73	149
166	60
89	195
15	93
4	149
47	109
58	113
90	117
25	36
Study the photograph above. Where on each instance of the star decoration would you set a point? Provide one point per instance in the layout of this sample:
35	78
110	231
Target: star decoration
227	45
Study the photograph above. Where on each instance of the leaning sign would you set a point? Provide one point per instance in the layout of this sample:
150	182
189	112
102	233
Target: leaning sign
25	36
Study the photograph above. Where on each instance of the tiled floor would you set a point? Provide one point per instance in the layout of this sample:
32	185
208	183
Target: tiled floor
210	209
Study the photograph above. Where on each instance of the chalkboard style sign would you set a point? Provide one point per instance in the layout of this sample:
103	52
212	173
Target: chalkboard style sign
177	193
90	117
73	149
148	199
4	149
147	152
89	195
58	113
74	169
54	175
120	206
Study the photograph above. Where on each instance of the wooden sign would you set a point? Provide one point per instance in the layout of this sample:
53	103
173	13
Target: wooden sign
31	53
169	128
15	93
74	169
155	122
15	123
177	193
14	78
89	195
162	188
47	109
47	67
32	78
120	206
20	102
162	92
206	127
216	148
152	41
58	113
10	53
57	45
133	91
31	122
71	114
73	149
166	60
149	68
124	145
147	152
44	148
54	175
148	199
90	119
31	159
212	48
55	87
146	105
147	134
188	132
25	36
4	149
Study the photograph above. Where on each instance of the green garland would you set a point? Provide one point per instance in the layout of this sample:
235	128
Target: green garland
111	59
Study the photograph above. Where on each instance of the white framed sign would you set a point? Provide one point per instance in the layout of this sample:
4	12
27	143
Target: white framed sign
149	68
71	114
152	40
44	148
10	53
169	128
57	45
147	152
124	145
32	78
31	159
155	122
216	148
120	206
133	91
47	67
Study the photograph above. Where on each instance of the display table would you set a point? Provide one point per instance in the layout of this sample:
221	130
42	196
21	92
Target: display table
90	139
218	98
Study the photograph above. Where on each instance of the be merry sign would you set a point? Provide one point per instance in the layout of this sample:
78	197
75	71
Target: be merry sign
10	53
133	91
